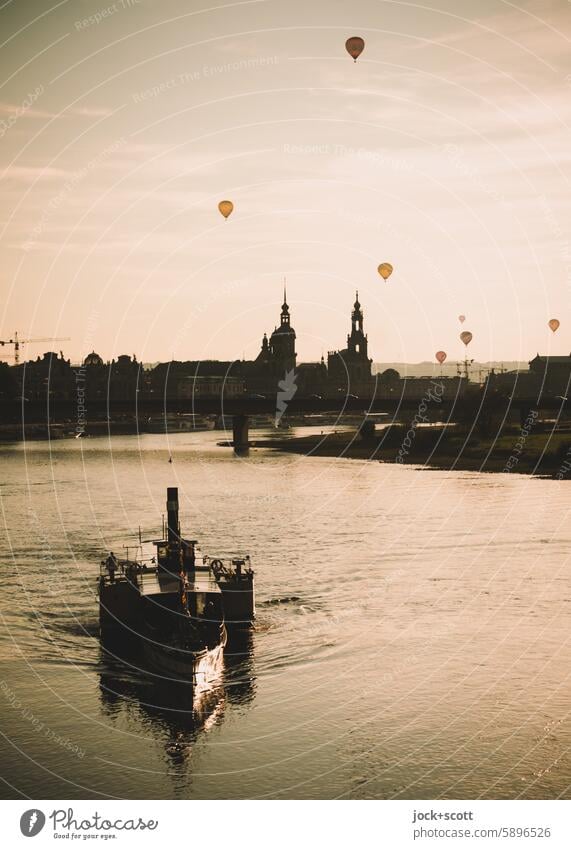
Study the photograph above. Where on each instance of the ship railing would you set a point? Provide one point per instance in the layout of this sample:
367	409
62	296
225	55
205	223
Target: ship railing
127	569
230	570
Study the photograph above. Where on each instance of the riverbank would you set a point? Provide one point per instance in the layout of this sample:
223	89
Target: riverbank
34	431
545	453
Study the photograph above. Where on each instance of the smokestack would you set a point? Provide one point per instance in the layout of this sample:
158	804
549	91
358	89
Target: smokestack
173	526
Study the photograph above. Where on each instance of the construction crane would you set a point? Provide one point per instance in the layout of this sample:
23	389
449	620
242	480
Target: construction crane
16	342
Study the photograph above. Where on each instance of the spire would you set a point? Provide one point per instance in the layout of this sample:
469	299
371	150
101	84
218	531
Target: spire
284	318
357	316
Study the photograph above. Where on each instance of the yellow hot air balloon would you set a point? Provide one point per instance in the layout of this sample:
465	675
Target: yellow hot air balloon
354	46
385	269
461	319
225	207
554	324
441	356
466	337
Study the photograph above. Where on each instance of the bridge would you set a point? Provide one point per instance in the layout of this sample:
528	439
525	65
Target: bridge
55	410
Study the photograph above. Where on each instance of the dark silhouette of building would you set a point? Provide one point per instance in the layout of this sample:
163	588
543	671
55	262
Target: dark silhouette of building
346	371
47	376
553	374
547	377
311	379
210	386
260	376
350	370
124	379
278	354
8	383
118	380
93	360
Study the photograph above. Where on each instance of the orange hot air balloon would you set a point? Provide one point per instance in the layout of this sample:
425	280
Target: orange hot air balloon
225	207
385	269
354	46
554	324
466	337
441	356
461	319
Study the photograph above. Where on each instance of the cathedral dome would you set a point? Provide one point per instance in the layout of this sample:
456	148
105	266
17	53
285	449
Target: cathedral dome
283	330
93	359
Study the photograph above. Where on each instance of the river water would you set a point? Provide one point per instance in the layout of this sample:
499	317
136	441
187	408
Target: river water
412	634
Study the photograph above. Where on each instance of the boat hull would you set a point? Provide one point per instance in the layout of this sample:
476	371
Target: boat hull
196	666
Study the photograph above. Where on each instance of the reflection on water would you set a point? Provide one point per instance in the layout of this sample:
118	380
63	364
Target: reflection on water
411	640
178	710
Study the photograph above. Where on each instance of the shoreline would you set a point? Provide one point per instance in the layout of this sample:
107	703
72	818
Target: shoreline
543	453
548	455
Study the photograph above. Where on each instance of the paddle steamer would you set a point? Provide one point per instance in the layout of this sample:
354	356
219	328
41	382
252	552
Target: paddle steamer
179	603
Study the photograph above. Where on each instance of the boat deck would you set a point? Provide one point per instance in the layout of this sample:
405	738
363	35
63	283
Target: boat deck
158	581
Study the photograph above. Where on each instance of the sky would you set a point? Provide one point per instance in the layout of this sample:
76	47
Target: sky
444	150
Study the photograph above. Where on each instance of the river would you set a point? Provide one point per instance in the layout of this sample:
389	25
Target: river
411	641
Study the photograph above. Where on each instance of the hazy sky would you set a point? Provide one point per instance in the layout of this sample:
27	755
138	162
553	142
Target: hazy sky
445	150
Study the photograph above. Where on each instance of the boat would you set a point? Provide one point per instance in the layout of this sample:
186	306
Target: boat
178	423
179	604
192	655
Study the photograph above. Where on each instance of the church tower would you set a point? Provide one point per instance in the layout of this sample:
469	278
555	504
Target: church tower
357	341
282	341
265	355
350	370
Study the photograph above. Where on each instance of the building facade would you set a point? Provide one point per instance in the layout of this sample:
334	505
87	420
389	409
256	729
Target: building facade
349	370
547	377
277	354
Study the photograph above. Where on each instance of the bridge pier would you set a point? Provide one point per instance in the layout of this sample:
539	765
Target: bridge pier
367	431
240	433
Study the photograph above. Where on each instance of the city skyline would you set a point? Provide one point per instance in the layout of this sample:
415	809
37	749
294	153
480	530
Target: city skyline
443	150
33	350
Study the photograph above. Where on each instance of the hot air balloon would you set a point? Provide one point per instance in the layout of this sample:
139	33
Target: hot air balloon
554	324
354	46
441	356
385	269
461	319
225	207
466	337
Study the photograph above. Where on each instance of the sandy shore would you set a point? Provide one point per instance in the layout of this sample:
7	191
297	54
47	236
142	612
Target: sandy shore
547	454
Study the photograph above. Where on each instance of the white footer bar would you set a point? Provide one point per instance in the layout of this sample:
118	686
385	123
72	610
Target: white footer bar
269	824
